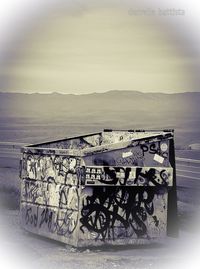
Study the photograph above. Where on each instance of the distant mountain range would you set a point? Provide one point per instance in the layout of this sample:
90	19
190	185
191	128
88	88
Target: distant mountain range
112	109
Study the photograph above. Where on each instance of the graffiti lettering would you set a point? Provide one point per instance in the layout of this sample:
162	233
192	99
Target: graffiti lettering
60	222
114	213
51	169
135	176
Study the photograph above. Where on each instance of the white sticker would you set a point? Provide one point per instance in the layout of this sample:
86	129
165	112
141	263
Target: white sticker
126	154
158	158
163	147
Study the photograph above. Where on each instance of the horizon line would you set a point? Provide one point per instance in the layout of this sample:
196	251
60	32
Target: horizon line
104	92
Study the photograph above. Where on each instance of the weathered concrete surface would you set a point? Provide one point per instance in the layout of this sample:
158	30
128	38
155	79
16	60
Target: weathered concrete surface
117	190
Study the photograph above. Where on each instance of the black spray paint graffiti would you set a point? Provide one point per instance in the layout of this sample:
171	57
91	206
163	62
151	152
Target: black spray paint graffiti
149	176
31	190
61	222
118	212
137	176
155	148
107	175
139	154
52	169
51	207
49	194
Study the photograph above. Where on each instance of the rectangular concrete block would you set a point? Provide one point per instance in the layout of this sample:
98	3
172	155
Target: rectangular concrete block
113	187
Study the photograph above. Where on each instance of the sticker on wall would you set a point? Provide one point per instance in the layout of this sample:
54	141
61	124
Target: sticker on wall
127	154
164	147
158	158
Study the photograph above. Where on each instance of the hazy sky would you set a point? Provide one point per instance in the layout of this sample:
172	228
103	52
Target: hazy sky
95	46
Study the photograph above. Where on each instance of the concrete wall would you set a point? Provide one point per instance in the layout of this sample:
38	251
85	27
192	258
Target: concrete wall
50	196
113	194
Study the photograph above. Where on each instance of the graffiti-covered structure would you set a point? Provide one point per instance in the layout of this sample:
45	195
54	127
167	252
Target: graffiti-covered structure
113	187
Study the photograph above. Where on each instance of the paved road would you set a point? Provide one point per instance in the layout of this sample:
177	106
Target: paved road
188	181
10	150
